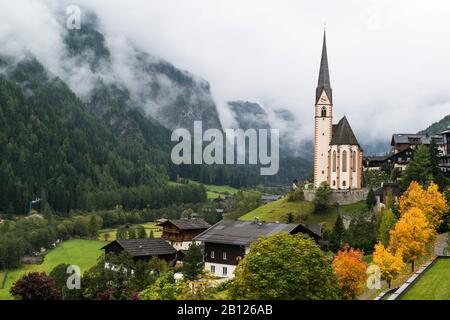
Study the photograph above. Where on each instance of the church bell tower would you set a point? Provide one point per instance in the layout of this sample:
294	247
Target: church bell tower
323	121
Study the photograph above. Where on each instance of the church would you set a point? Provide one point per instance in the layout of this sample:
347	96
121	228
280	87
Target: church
337	153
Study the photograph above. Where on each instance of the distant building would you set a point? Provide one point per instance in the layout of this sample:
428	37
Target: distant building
144	249
228	241
269	198
402	141
403	147
180	233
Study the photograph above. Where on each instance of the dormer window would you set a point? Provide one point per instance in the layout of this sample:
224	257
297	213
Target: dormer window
324	112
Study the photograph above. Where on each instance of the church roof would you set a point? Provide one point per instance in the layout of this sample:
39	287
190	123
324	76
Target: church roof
343	134
324	74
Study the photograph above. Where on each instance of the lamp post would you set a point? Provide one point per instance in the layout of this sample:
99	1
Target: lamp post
33	202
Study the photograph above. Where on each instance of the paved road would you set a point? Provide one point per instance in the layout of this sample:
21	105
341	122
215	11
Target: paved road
441	244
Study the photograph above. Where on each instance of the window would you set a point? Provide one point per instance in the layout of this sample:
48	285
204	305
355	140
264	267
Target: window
344	161
224	271
334	161
354	161
324	112
212	254
213	269
344	184
224	256
334	183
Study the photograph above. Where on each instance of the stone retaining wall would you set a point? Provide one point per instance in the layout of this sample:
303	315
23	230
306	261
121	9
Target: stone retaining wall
340	196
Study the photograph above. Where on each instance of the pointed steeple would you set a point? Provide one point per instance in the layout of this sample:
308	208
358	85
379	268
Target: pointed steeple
324	73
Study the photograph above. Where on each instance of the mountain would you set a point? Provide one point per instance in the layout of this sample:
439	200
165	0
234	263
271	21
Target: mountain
131	78
251	115
437	127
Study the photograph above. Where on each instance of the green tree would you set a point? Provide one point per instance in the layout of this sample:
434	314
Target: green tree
193	262
371	200
362	232
141	233
285	267
419	168
131	233
152	234
164	288
322	197
121	234
387	223
337	235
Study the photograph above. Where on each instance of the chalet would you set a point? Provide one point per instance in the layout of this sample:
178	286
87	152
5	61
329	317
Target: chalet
444	157
228	241
180	233
144	249
402	141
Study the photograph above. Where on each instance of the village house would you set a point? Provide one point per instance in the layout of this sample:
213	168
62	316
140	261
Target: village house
228	241
403	146
180	233
144	249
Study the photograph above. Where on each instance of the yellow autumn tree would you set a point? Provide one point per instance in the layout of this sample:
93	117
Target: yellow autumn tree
432	203
390	265
411	234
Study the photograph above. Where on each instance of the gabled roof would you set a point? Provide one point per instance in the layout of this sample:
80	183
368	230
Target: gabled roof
324	74
343	134
188	224
406	138
242	232
144	247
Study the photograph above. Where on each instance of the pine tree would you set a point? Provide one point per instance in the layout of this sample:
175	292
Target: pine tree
371	200
337	235
419	168
193	262
141	234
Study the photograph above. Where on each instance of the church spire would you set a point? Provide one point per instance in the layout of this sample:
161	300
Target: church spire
324	74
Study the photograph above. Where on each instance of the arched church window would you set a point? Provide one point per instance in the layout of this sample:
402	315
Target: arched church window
354	161
344	161
344	184
324	112
334	161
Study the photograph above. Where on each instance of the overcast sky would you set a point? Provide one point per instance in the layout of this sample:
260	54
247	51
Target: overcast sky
389	60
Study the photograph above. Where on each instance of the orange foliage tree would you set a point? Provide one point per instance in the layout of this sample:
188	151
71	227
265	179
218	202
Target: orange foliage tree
411	234
390	265
350	270
432	203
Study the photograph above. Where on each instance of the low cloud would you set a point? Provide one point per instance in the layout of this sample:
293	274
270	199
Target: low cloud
388	60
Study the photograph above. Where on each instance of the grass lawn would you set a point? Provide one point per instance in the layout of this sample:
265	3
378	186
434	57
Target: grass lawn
213	191
157	231
279	210
434	284
83	253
